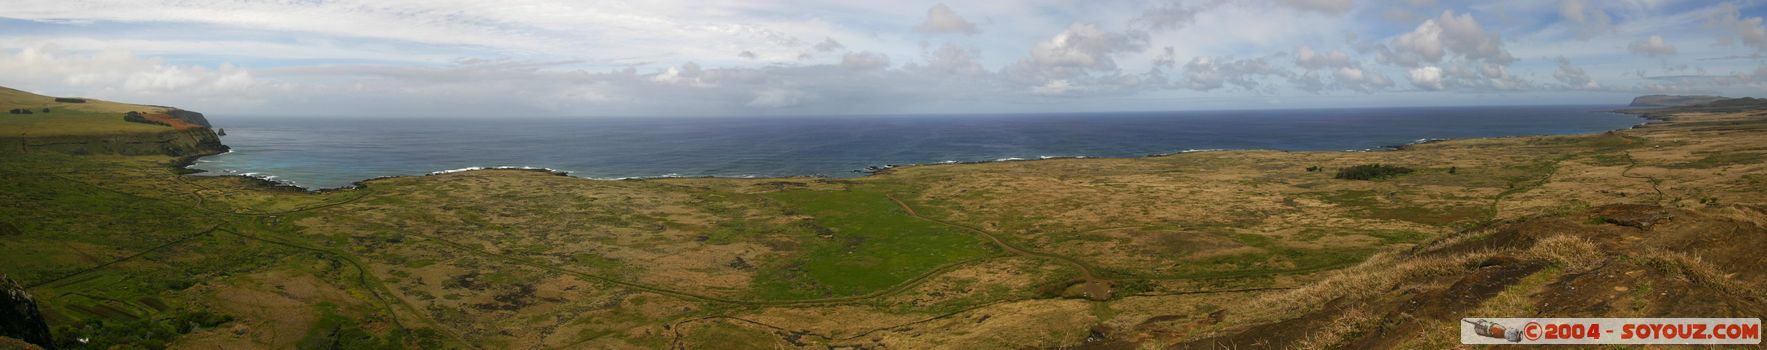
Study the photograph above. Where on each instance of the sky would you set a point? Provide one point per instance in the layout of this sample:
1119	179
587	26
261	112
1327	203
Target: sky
787	57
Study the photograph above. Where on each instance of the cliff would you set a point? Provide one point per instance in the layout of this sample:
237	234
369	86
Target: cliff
171	142
92	126
188	116
19	316
1673	100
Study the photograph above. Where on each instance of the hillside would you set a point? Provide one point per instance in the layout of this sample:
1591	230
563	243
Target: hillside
1234	249
1673	100
91	126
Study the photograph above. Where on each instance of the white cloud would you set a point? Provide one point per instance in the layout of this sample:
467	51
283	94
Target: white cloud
950	60
686	74
1427	78
1589	20
1439	37
828	44
1483	77
777	98
663	32
865	61
1573	77
1170	15
1360	80
1322	6
1652	46
1421	45
1748	82
1084	45
731	57
120	74
941	19
1309	59
1206	73
1749	30
1056	87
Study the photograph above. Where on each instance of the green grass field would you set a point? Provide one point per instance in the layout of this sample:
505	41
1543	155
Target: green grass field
872	245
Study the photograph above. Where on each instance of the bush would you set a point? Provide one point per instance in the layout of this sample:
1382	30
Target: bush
141	333
137	117
1371	172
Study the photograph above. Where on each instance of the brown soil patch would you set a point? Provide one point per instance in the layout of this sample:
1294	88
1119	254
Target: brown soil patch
176	123
270	310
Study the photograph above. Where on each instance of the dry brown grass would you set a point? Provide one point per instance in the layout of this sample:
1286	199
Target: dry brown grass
1692	268
1344	327
1371	278
1573	254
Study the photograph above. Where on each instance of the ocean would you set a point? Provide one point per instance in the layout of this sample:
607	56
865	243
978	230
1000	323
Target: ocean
330	152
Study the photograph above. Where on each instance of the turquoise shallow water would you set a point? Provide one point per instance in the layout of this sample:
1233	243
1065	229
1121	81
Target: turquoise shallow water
334	152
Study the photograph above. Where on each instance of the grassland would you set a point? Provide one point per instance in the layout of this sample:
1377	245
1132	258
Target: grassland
90	118
1194	250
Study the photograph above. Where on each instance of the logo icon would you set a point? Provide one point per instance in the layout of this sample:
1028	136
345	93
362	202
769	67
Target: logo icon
1490	329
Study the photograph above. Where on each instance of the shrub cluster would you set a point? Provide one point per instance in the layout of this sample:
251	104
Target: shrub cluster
24	111
1371	172
137	117
138	333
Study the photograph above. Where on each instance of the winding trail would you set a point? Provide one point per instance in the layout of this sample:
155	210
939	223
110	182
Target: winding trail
180	240
1632	163
364	278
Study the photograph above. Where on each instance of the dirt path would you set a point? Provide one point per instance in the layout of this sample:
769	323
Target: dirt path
1632	163
180	240
1096	288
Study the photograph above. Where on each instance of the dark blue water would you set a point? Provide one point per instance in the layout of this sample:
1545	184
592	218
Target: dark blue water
333	152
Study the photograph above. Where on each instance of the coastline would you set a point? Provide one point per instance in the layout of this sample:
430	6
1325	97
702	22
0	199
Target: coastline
182	165
988	240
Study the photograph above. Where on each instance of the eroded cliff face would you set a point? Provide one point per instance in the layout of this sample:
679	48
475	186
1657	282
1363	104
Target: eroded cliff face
19	316
186	142
192	117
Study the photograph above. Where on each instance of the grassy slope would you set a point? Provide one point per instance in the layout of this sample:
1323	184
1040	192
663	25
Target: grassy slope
94	117
125	247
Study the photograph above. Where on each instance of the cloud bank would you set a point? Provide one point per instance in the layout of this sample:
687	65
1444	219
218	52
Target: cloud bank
666	57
